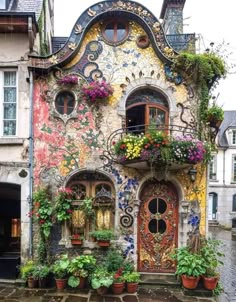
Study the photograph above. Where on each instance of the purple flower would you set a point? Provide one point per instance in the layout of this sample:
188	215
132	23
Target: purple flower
97	90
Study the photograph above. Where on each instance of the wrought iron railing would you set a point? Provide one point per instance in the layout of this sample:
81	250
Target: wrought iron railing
172	131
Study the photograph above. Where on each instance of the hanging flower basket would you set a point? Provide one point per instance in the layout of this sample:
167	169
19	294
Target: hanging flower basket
96	91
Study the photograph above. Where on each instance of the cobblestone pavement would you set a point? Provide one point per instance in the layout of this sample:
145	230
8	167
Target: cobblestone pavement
158	294
228	270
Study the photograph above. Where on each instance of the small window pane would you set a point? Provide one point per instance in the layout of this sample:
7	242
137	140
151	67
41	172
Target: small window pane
121	32
234	138
109	32
152	226
234	203
9	95
2	4
9	111
161	206
9	128
153	206
9	78
161	226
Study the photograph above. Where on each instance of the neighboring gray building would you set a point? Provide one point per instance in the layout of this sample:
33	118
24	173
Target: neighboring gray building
222	175
25	28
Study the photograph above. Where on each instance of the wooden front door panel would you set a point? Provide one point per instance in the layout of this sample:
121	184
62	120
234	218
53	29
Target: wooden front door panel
157	227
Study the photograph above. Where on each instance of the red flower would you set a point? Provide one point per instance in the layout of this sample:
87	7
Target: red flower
69	211
41	221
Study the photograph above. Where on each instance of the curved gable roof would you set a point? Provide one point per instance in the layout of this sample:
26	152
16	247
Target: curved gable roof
131	10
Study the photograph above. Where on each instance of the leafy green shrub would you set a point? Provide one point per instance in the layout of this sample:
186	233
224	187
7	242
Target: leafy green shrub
103	234
101	277
60	267
133	277
189	263
27	269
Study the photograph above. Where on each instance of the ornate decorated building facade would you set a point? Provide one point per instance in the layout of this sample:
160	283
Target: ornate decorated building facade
114	123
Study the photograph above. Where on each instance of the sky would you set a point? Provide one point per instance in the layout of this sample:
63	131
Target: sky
213	21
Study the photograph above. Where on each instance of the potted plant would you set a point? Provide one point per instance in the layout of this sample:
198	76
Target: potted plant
215	115
77	239
27	273
80	267
101	280
210	251
118	284
60	271
132	280
190	266
103	237
41	273
63	204
42	211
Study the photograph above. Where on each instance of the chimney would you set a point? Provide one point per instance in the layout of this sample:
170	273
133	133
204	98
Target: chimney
172	15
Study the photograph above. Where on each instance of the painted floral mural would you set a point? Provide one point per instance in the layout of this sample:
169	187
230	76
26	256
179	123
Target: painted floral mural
65	146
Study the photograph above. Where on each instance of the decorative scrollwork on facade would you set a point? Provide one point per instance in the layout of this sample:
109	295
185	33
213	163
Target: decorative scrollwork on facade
127	220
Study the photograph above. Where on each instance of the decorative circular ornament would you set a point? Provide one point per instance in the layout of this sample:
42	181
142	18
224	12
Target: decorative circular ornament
143	41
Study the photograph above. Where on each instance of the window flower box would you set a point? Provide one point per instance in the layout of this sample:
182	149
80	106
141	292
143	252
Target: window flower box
158	146
77	239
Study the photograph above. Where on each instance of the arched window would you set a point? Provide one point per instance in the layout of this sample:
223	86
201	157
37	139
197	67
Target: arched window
65	102
115	31
94	193
146	108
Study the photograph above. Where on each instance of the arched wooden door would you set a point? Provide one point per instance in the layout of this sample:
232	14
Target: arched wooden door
157	227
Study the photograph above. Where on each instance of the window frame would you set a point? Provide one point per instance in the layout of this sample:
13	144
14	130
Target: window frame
233	178
2	102
213	164
3	4
55	103
115	21
90	187
233	138
234	203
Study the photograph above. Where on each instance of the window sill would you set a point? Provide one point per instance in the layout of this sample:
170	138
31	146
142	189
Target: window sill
11	141
213	180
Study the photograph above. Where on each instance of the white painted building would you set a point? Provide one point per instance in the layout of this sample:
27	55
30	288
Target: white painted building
222	175
25	28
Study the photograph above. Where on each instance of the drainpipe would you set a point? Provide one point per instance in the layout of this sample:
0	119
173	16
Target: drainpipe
31	147
224	167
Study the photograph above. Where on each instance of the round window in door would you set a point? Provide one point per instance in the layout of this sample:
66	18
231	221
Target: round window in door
157	235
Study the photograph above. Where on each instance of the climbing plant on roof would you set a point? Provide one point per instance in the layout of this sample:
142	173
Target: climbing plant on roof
205	70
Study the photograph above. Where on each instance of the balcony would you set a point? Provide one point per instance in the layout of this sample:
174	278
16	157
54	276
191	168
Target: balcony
145	146
182	42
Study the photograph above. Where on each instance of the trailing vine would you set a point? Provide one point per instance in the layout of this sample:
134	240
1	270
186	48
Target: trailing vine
205	70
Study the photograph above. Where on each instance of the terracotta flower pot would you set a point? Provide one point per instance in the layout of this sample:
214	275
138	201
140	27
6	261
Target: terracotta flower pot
131	287
32	283
61	283
102	290
43	282
190	282
103	243
210	283
76	241
82	282
118	288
